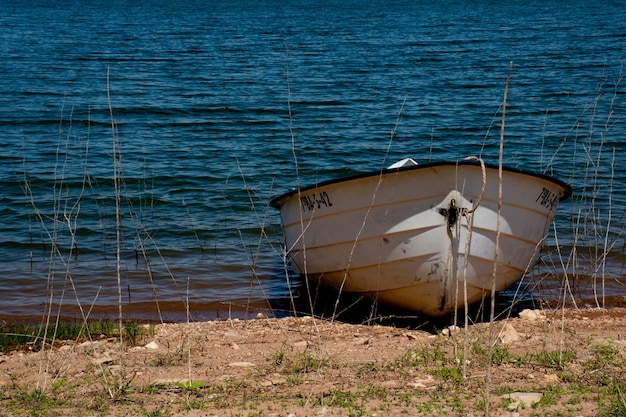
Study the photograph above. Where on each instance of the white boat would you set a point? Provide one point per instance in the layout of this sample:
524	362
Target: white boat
421	237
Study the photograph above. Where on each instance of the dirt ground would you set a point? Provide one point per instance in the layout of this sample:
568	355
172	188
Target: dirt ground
544	363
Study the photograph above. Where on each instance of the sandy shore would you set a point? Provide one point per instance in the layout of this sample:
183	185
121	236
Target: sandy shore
569	363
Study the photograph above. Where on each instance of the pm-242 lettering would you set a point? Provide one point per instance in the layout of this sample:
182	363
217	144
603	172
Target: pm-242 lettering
315	201
547	198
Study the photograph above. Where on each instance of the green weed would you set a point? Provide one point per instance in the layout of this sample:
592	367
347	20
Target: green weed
18	335
555	359
189	385
613	400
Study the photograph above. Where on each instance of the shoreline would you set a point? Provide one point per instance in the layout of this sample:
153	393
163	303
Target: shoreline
570	360
175	312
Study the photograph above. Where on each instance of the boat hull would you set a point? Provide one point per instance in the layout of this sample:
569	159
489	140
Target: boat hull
427	238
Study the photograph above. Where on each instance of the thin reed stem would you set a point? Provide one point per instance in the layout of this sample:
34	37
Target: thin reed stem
118	232
497	244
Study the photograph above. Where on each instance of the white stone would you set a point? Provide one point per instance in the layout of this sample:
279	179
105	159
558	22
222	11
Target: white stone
450	330
152	346
242	364
509	334
526	399
532	315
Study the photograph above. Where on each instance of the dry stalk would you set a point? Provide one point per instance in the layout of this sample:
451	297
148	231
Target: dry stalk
497	244
118	231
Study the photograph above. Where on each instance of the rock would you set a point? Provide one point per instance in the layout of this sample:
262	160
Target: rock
103	360
242	364
551	378
362	341
424	383
450	330
525	399
274	379
152	346
509	335
532	315
88	346
390	384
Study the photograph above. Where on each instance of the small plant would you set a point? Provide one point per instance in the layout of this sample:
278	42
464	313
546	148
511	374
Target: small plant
278	358
168	359
56	385
550	396
37	402
347	400
194	402
300	363
156	413
152	388
132	331
500	355
448	374
555	359
616	400
603	355
425	356
189	385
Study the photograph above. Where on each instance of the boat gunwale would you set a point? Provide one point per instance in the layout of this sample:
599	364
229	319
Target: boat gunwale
313	218
280	200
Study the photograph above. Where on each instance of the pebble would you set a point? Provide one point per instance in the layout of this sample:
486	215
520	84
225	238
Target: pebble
450	330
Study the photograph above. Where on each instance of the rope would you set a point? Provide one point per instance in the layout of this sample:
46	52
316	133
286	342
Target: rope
484	185
468	215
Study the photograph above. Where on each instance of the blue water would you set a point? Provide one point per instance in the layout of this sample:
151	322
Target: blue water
207	103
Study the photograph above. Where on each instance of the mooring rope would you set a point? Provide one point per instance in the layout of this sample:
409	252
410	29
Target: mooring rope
467	213
484	185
